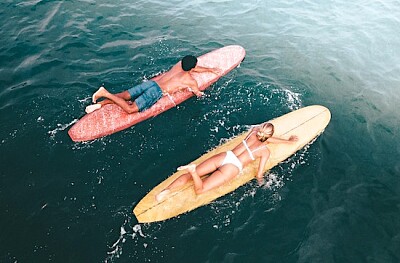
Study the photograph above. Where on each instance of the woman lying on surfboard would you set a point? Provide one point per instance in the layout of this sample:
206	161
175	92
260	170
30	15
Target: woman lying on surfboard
225	166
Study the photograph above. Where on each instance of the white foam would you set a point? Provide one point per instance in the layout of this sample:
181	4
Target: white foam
60	127
117	247
293	99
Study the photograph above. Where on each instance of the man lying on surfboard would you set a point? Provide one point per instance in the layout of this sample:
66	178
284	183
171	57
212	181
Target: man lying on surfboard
225	166
146	94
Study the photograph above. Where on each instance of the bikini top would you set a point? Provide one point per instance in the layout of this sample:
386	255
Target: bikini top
250	152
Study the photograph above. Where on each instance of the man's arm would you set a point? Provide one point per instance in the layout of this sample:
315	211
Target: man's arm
194	87
200	69
196	91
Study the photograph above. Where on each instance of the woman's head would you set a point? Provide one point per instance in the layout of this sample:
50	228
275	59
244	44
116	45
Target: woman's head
188	62
265	131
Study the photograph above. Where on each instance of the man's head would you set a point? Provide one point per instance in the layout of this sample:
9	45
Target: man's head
188	62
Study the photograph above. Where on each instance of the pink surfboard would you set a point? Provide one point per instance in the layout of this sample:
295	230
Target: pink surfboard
111	118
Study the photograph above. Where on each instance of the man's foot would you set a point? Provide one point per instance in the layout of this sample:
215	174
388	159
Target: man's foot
191	168
98	94
92	108
162	195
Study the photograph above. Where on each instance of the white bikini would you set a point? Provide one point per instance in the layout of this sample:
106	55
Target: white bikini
231	158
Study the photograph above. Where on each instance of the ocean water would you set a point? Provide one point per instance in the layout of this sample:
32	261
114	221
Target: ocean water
337	200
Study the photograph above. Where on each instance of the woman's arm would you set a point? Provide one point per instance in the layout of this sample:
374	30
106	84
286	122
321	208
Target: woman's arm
291	139
261	166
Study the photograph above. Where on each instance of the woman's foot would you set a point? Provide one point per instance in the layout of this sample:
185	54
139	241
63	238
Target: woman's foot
162	195
191	168
92	108
98	94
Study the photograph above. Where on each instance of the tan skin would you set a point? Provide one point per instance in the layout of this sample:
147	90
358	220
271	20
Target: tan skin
222	174
172	81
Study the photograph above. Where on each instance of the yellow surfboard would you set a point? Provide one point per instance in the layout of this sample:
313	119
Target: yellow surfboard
307	123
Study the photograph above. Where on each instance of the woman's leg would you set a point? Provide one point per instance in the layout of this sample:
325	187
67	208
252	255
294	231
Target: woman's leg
206	167
219	177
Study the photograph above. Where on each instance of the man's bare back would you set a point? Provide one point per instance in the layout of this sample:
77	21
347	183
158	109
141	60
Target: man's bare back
177	79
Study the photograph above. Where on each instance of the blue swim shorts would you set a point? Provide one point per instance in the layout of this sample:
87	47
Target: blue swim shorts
145	94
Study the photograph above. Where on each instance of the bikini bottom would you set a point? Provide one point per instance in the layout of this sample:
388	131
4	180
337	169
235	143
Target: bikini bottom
231	158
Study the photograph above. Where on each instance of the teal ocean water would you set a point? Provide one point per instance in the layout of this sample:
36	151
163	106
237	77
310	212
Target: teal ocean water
337	200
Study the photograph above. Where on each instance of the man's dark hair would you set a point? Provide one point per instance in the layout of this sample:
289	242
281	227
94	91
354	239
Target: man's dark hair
188	62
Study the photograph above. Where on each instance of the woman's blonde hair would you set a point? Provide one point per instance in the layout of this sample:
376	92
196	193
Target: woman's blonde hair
266	130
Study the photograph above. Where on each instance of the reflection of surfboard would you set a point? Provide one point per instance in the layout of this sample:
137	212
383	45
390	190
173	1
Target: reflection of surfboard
306	123
111	118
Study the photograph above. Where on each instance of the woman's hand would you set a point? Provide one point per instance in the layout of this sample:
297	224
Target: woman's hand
260	180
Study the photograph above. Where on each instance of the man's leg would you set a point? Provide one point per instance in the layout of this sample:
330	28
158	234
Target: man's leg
123	95
120	99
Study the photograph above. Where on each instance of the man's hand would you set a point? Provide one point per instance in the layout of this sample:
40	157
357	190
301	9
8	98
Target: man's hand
199	94
216	71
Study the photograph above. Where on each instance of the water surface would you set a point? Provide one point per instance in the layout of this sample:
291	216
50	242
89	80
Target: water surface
337	200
